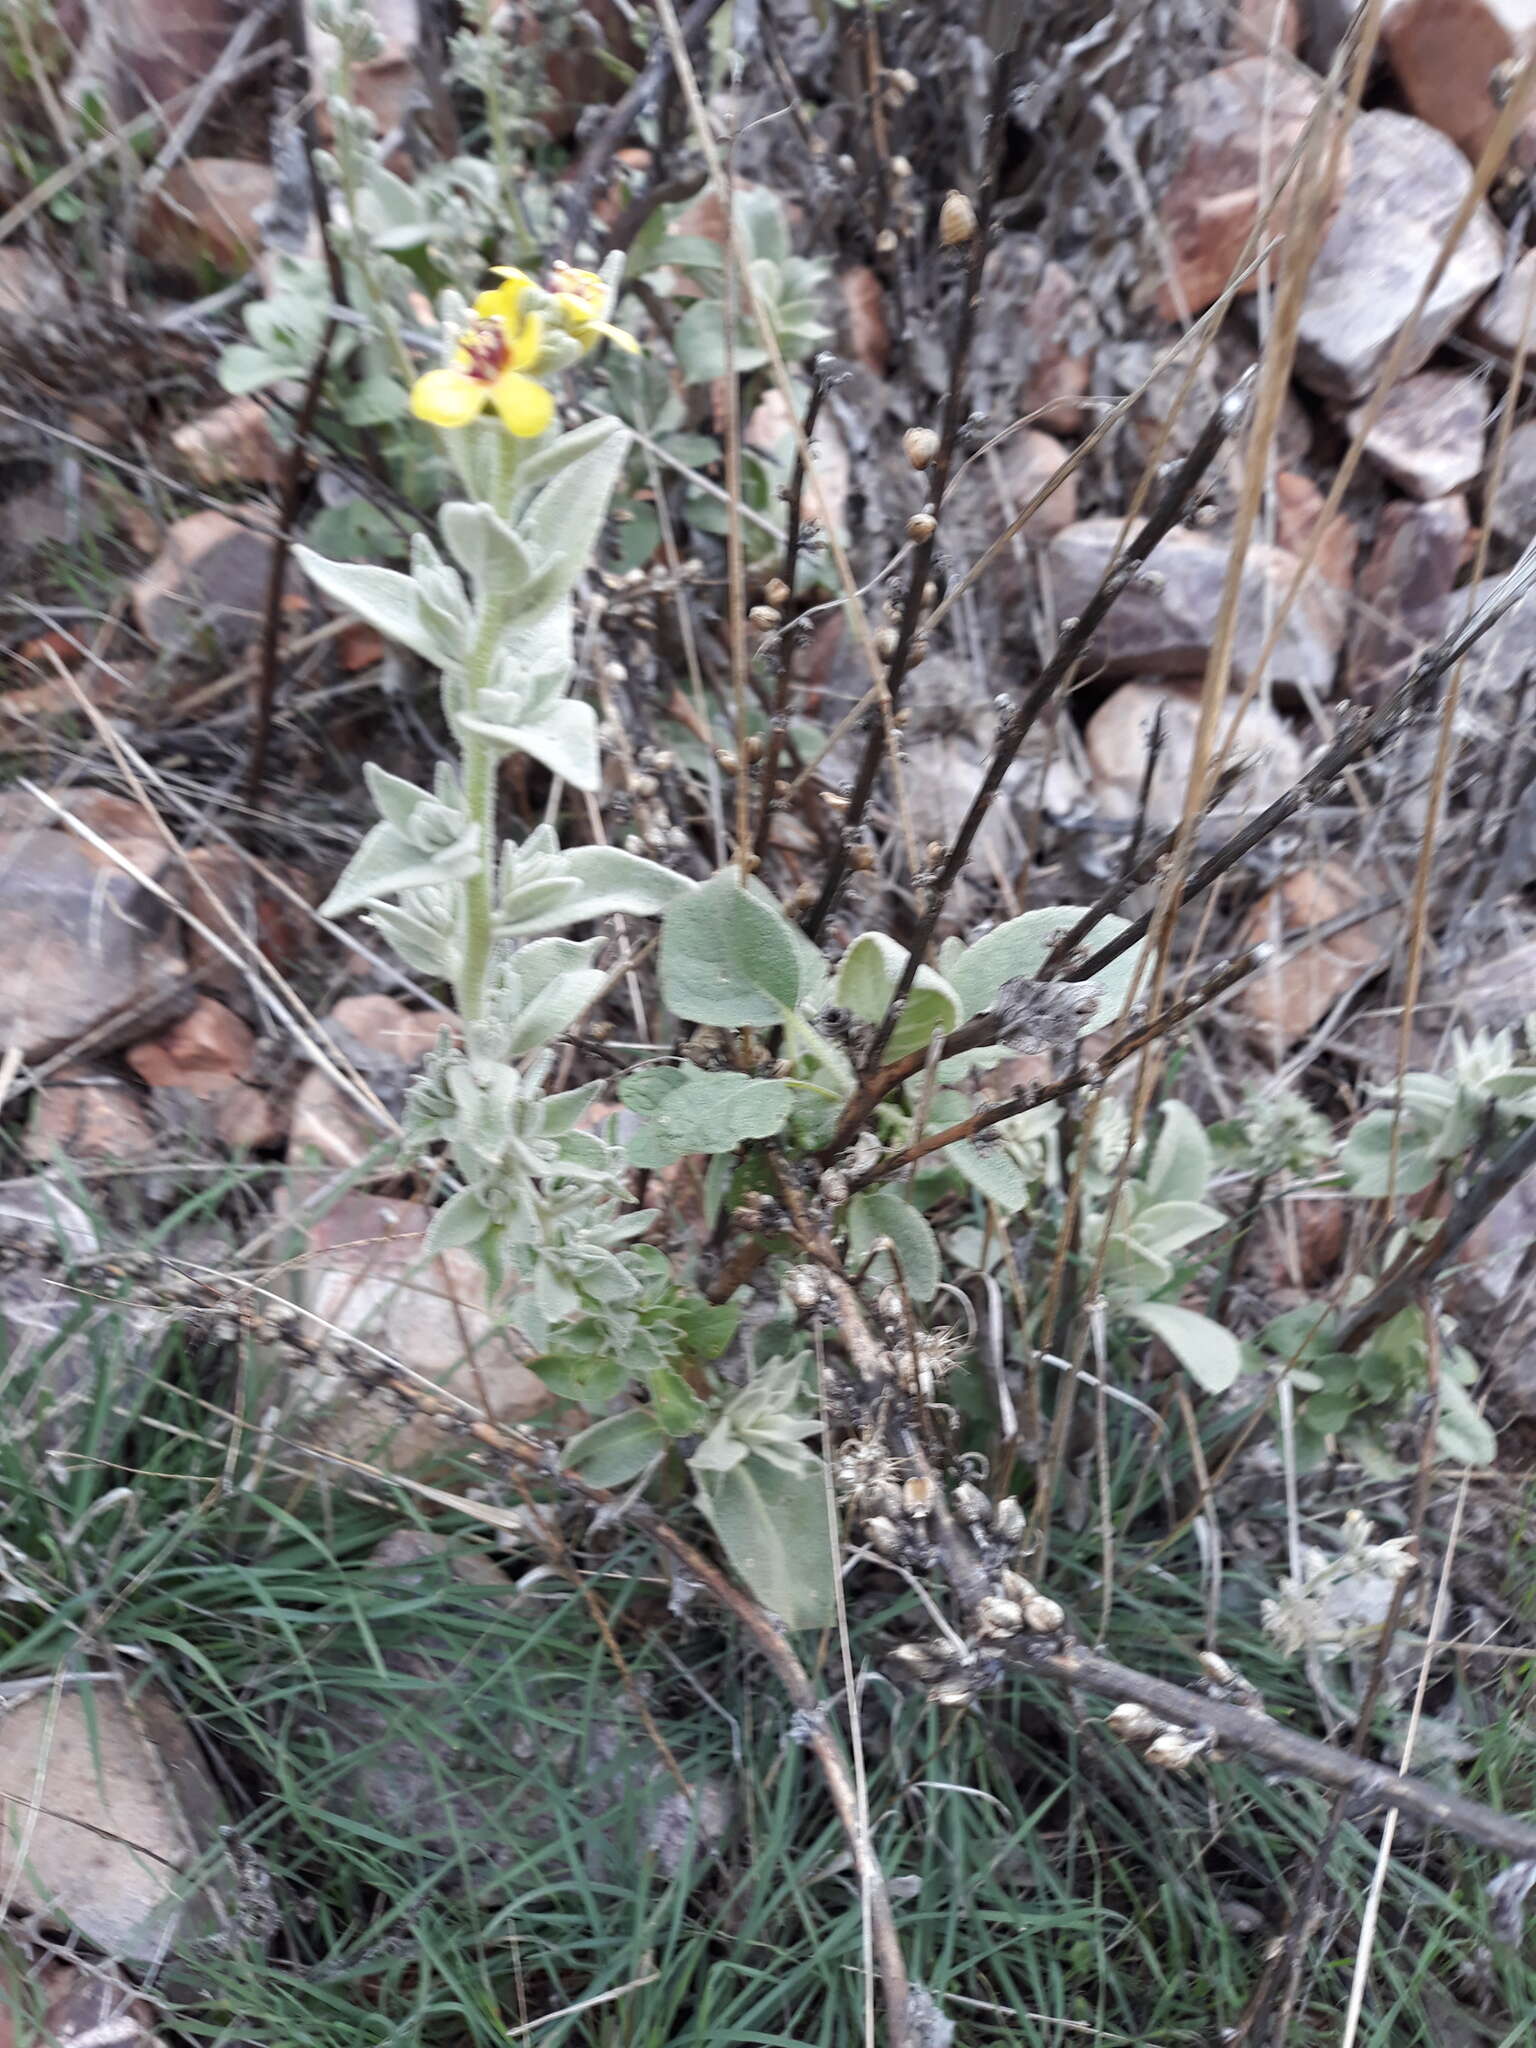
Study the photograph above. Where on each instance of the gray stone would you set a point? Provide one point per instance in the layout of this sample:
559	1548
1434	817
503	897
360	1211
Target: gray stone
1512	513
110	1817
1428	438
1498	322
90	954
1164	623
1405	184
1404	589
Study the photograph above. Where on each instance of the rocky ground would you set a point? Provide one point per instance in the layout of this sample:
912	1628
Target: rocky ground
176	1016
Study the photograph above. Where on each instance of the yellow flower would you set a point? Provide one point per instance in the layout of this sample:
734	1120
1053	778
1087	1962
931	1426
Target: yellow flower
581	300
490	366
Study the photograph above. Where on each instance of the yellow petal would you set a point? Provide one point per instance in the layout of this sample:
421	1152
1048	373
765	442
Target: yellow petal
447	398
526	341
525	406
506	270
618	337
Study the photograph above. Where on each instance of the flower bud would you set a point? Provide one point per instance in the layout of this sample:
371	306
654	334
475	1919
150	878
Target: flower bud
920	445
1044	1616
1132	1723
957	220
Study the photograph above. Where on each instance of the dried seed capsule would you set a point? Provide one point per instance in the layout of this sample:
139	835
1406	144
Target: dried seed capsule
971	1504
1016	1586
803	1286
763	617
918	1495
1044	1616
884	1536
1174	1752
776	590
887	640
920	445
922	526
833	1187
1008	1520
885	242
995	1617
953	1692
1132	1723
922	1660
957	220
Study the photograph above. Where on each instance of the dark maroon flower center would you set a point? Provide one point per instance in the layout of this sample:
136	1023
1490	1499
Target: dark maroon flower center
485	351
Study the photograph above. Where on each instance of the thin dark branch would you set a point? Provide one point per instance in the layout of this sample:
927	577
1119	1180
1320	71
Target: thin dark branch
1253	1731
1409	699
790	630
621	118
1421	1268
1070	649
938	483
1085	1076
277	571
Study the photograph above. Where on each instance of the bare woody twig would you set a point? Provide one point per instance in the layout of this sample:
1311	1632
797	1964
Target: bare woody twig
938	473
1070	649
1352	744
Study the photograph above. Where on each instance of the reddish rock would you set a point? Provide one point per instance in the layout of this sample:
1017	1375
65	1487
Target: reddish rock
1259	25
1428	438
1236	127
1024	464
1404	186
1119	736
229	895
201	1053
386	84
385	1041
1298	508
1165	621
206	212
1512	509
91	1117
1404	588
233	444
770	428
1057	353
209	582
1445	54
30	288
364	1272
92	956
1292	994
1508	313
147	52
202	1063
867	330
376	1031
